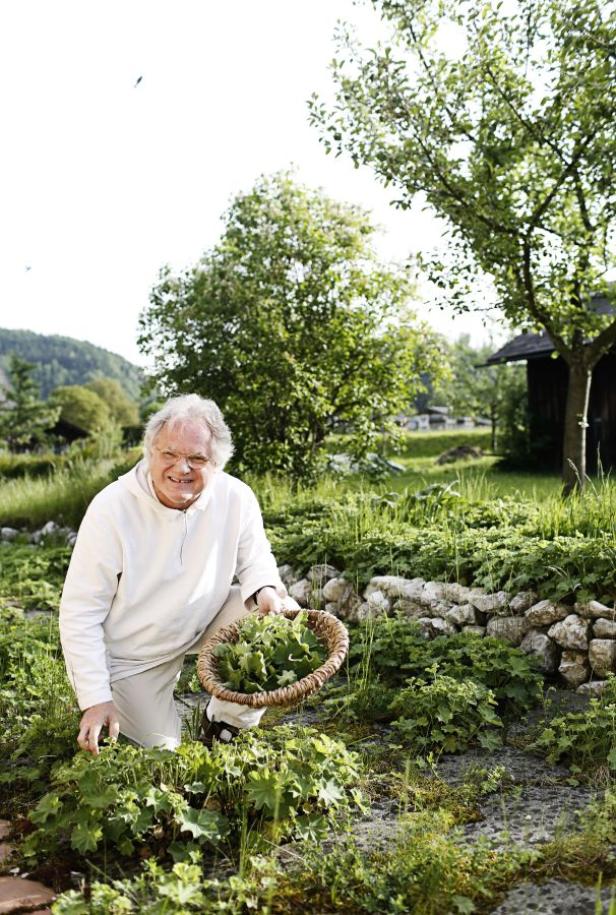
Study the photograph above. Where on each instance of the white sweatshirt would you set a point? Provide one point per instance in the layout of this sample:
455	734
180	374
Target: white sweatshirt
145	580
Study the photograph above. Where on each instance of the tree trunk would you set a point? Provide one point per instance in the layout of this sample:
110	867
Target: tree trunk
494	420
576	423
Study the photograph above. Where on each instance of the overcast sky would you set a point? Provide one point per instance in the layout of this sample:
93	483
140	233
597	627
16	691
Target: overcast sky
103	181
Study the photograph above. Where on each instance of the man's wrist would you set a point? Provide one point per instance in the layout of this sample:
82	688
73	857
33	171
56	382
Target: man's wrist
255	596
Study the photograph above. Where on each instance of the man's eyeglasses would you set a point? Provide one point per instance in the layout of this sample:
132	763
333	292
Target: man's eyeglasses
194	461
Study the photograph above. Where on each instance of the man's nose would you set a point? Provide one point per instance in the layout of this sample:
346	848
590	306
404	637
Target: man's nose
184	465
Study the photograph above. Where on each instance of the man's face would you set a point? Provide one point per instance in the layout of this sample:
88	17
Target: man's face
179	463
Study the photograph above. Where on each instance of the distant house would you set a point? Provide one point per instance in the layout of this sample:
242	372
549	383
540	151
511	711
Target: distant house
547	394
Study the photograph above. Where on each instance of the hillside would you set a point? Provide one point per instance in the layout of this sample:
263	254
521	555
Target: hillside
62	360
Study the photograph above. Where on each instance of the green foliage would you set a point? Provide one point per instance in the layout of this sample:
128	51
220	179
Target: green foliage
13	466
292	309
446	715
62	497
81	407
32	577
398	651
25	420
65	361
37	704
510	143
271	651
431	444
286	782
585	739
122	410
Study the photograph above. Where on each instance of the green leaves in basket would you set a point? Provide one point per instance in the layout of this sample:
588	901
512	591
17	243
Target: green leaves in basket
271	651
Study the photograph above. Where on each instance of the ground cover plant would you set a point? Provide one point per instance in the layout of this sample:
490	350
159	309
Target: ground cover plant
244	828
584	739
289	783
270	652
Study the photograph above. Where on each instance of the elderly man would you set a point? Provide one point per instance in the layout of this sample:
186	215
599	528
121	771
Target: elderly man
151	578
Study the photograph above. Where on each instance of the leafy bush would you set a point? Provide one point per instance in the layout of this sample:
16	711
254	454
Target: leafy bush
37	705
565	567
446	715
397	651
32	577
283	782
583	739
271	651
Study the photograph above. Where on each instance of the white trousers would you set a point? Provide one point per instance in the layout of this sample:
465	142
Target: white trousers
145	702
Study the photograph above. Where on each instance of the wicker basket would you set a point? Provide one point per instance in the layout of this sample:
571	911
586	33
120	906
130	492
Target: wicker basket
328	629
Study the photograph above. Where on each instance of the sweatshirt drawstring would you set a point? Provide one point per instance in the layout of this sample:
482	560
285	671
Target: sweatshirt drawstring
184	537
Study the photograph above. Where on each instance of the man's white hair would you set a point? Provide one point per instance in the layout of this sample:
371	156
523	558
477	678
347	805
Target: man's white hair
196	409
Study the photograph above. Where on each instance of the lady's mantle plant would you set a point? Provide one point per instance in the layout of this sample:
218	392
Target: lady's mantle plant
281	782
271	651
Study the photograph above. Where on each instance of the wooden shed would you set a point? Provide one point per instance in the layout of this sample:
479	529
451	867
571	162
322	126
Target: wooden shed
547	379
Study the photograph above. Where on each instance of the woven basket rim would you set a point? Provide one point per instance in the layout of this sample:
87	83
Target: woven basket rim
282	695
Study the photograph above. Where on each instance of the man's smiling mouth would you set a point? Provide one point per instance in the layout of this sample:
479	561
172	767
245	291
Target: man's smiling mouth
180	480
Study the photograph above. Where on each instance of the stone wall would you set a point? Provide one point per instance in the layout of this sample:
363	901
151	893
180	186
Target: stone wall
576	643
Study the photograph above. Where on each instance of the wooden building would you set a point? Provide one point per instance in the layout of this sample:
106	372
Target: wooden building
547	392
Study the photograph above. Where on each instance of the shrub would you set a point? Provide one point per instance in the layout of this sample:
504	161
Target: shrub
283	782
585	740
446	715
32	577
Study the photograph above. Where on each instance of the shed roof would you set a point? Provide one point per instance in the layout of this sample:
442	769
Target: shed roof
533	346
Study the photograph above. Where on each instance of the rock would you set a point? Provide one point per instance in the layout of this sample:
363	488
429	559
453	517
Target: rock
571	633
604	629
574	667
545	613
594	610
8	534
366	611
475	630
341	594
410	608
5	829
491	603
456	593
521	602
439	608
47	530
378	603
510	629
433	627
462	615
541	647
336	590
71	538
301	592
602	656
17	894
6	852
459	453
432	591
594	688
320	573
394	586
287	573
334	609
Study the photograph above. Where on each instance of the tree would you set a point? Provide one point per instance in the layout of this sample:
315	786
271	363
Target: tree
292	326
81	407
512	141
477	391
122	409
24	418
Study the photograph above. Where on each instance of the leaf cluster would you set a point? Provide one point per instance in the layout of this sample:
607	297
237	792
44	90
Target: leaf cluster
271	651
281	783
585	740
446	715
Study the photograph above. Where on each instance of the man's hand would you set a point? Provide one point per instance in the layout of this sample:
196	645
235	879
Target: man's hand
92	722
269	601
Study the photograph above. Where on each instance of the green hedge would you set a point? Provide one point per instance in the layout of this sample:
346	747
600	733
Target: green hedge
563	568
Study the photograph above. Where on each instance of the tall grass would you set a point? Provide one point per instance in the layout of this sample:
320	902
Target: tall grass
63	497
